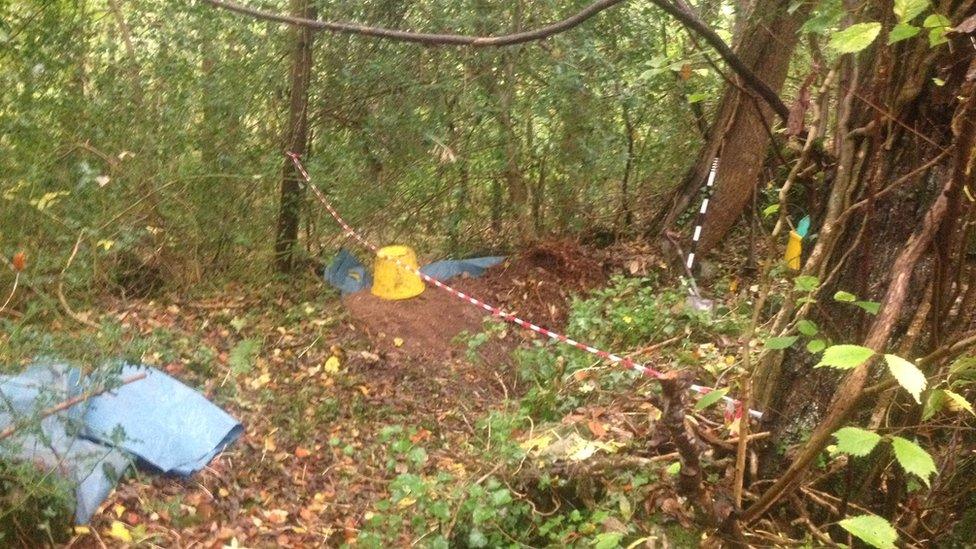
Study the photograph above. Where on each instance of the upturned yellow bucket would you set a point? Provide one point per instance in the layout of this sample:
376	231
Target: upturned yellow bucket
794	249
390	280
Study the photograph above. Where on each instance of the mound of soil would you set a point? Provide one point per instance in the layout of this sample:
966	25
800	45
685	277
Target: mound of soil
424	326
537	284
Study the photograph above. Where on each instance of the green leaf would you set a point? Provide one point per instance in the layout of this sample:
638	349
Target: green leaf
770	210
807	328
936	20
777	343
871	529
607	540
845	297
957	402
845	357
934	403
855	441
241	358
710	398
816	345
937	36
906	10
872	307
913	458
806	283
902	31
674	468
908	375
855	37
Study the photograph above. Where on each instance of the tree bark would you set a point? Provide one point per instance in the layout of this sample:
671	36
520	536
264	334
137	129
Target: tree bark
740	128
296	139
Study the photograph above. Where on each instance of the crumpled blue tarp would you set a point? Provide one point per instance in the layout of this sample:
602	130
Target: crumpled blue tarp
165	424
349	275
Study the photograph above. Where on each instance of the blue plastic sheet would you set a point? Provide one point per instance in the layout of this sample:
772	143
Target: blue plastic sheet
157	420
349	275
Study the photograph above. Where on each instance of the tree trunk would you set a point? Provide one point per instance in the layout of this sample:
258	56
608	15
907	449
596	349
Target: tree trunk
296	139
740	129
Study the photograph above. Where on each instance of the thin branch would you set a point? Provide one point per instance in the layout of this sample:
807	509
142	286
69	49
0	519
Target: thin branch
680	11
71	402
429	39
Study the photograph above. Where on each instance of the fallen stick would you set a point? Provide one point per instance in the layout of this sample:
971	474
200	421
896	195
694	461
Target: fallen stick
70	402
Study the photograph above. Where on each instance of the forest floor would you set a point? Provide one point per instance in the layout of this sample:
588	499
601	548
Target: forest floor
341	397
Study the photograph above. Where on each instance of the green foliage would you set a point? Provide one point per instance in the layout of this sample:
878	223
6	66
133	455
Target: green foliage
855	441
908	375
778	343
913	458
845	357
710	398
36	508
855	37
242	355
872	530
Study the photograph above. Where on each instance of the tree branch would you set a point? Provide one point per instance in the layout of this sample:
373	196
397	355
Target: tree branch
71	402
428	39
680	11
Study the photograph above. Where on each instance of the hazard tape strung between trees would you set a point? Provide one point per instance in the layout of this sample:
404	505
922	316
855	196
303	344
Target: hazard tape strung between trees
495	311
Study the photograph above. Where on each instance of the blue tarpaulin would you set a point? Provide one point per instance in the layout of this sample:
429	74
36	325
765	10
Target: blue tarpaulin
349	275
156	421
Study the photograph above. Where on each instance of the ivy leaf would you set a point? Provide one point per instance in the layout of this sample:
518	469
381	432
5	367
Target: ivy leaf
957	402
902	31
807	328
906	10
855	37
777	343
845	357
856	442
845	297
816	345
913	458
710	398
871	529
908	375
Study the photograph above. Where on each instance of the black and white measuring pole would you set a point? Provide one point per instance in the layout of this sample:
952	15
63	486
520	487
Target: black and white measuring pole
701	216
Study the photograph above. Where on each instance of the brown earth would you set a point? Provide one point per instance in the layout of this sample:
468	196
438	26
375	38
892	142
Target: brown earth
537	285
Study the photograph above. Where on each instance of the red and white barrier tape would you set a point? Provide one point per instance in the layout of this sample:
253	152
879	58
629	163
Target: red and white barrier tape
508	317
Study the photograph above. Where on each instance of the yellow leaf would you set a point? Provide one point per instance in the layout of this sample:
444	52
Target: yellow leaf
398	342
270	445
120	532
537	443
119	509
105	244
958	403
406	502
332	365
82	530
628	320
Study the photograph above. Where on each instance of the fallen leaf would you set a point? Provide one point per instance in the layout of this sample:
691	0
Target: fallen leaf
597	428
332	365
398	342
301	452
277	516
20	261
120	532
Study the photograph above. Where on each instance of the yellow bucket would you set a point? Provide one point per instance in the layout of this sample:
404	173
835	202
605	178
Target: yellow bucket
391	281
794	249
